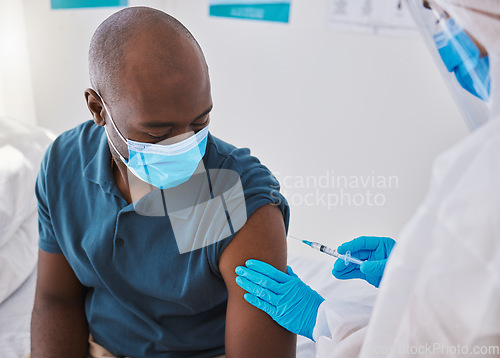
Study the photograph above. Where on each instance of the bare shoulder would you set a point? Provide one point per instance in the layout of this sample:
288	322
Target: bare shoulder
249	331
263	235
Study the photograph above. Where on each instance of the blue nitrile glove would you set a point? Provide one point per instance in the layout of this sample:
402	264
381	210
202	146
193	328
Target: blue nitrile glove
375	250
289	301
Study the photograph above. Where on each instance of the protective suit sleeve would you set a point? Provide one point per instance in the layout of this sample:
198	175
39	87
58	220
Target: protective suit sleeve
338	319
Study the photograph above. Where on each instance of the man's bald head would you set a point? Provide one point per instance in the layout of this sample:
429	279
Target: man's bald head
152	76
138	42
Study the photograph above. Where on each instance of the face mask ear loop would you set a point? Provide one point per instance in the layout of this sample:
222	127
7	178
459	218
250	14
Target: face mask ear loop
111	120
113	123
116	129
116	150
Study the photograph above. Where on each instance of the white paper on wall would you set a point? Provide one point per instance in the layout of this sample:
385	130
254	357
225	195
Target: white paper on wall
371	16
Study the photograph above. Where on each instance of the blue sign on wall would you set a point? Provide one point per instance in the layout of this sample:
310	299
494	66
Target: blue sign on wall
265	10
73	4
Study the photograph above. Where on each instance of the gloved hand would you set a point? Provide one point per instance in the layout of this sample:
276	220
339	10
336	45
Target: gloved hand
288	300
375	250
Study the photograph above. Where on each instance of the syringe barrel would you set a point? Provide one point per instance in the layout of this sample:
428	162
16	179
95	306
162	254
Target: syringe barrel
325	249
349	259
355	260
332	252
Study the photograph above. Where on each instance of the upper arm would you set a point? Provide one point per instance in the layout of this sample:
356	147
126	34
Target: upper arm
58	324
250	332
56	279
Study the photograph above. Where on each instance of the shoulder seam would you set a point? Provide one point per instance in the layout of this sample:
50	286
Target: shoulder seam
228	156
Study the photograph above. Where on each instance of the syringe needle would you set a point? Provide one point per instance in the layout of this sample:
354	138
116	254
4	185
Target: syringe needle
293	237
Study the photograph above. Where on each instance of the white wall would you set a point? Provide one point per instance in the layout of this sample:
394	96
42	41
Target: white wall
308	100
304	98
58	43
16	91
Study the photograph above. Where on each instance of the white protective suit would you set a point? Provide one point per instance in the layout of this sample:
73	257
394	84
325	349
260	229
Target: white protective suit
440	294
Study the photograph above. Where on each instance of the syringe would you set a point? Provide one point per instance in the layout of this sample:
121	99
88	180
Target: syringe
332	252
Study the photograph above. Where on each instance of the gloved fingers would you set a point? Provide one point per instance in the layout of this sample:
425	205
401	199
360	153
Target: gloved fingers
373	268
258	278
359	243
341	267
362	254
258	291
268	270
356	273
262	305
244	284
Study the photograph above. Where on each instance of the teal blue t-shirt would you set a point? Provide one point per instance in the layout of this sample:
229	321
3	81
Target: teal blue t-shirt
146	297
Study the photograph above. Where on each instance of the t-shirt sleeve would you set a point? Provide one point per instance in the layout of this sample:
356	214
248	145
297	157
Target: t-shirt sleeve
47	239
259	187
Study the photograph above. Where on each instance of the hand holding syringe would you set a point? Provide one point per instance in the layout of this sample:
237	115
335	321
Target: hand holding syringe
332	252
372	254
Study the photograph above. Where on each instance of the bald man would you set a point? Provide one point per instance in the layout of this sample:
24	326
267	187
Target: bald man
121	278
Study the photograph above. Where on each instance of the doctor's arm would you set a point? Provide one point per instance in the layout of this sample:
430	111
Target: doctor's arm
58	324
250	332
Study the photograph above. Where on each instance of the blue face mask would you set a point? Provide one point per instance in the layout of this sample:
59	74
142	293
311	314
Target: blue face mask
461	56
163	166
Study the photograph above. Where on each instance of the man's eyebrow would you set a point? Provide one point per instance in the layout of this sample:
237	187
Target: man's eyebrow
168	124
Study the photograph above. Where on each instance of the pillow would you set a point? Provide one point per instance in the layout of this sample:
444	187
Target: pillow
21	150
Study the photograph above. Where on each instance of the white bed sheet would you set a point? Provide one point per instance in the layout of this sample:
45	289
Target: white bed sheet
15	317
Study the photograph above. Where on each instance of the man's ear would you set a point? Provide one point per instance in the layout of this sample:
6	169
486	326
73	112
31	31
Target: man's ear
96	108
